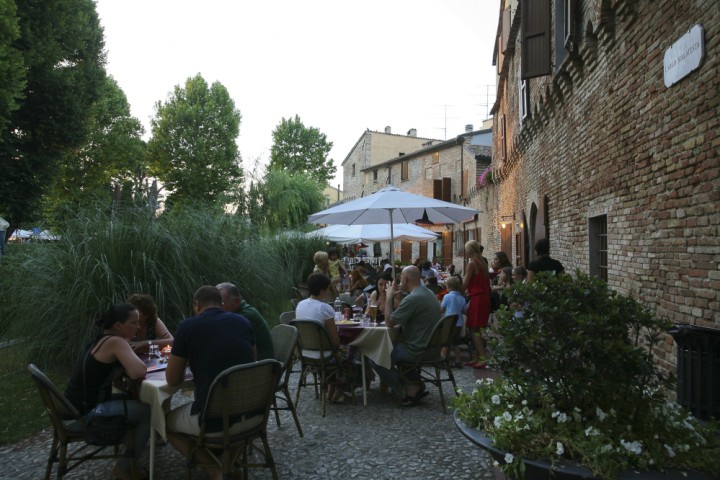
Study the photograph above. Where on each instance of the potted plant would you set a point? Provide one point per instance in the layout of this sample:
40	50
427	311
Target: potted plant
579	394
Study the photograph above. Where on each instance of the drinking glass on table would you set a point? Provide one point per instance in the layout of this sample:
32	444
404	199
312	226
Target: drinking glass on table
373	311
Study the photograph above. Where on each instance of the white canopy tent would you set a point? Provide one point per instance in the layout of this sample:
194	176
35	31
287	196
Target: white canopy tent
374	233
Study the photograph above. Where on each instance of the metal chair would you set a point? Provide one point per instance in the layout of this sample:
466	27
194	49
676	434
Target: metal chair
285	340
319	357
239	401
430	364
69	427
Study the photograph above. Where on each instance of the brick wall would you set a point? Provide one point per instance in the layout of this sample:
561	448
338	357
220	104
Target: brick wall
606	137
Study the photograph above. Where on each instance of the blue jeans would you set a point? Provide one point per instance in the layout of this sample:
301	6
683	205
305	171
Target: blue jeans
138	413
392	376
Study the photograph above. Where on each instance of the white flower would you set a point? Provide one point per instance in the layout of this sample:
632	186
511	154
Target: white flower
606	448
555	414
591	431
634	447
688	425
495	399
519	416
562	418
509	458
560	448
507	416
496	463
524	402
671	452
498	422
600	414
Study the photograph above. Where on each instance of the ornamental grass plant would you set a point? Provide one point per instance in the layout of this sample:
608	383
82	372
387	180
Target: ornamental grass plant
51	293
578	383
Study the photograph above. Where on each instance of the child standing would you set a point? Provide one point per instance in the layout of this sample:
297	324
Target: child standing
453	303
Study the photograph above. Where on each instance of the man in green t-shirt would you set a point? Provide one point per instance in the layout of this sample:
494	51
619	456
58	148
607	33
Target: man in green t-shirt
233	302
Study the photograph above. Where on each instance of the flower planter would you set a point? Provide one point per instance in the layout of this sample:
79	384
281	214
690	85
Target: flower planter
539	470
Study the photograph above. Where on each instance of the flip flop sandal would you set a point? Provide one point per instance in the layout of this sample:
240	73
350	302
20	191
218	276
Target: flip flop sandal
408	400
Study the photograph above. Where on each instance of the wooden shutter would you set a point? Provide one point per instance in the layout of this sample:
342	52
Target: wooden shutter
437	189
535	25
506	240
446	190
447	248
405	251
423	251
525	240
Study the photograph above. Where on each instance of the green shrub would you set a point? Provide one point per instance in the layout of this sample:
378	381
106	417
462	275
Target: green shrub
51	293
578	382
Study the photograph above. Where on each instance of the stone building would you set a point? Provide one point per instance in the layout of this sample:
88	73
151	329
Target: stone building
606	142
434	168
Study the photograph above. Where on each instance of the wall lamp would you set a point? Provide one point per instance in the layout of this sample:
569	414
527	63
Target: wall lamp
505	219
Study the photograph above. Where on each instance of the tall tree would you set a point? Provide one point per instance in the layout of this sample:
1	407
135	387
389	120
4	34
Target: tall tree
12	70
298	148
284	199
110	160
193	150
61	43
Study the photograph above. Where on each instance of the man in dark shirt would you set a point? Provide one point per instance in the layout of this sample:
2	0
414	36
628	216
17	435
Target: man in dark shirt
544	263
211	341
234	302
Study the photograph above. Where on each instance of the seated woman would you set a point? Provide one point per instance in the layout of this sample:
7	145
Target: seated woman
91	379
314	308
357	282
377	297
152	330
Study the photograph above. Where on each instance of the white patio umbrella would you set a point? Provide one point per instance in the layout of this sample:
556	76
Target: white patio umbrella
393	206
373	233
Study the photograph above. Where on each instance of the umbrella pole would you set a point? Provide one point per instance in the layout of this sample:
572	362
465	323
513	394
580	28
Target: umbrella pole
392	243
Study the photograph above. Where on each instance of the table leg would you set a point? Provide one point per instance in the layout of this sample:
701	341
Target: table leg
151	473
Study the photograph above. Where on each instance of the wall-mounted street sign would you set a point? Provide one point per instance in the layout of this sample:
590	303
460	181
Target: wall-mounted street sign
684	56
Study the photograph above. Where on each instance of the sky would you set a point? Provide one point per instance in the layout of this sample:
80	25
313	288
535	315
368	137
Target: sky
342	66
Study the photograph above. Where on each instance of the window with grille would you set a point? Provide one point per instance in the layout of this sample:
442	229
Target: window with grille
597	227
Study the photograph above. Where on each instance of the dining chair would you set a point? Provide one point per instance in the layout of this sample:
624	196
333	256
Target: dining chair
69	428
287	317
431	364
285	341
294	302
238	403
318	357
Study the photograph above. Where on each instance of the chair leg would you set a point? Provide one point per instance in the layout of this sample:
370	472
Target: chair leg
53	456
293	410
269	461
277	414
62	462
438	382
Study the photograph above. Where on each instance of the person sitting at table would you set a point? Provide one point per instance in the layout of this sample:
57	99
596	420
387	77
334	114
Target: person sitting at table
152	330
427	271
91	379
315	308
322	265
357	282
234	302
418	313
378	297
210	342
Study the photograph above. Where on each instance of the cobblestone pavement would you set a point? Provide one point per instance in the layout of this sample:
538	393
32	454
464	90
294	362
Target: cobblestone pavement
380	441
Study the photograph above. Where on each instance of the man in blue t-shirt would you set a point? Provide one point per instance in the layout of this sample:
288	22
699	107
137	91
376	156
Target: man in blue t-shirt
211	341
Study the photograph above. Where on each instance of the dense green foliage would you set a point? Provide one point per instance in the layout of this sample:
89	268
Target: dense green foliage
110	162
579	383
300	149
52	293
193	150
61	44
284	200
12	72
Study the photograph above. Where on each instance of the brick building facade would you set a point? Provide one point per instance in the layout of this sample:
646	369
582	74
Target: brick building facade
619	171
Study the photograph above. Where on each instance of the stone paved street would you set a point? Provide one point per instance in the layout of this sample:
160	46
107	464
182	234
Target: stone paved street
380	441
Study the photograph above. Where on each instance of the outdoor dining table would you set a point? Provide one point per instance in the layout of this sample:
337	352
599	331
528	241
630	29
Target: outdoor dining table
372	341
155	392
